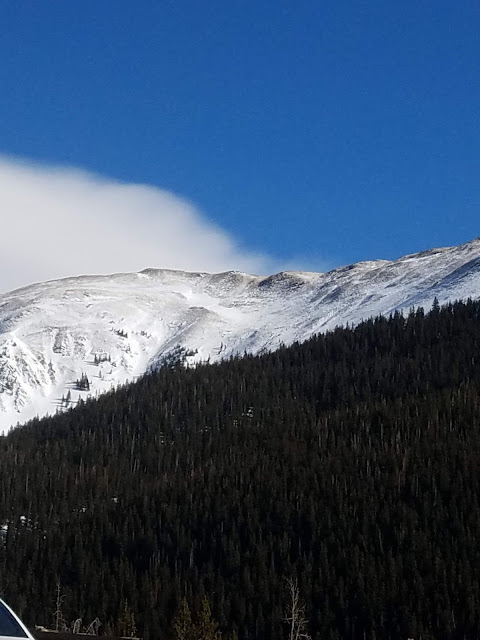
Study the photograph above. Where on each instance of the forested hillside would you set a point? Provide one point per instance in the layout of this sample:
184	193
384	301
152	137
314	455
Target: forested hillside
350	462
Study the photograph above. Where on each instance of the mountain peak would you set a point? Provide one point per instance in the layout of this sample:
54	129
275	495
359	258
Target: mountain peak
110	329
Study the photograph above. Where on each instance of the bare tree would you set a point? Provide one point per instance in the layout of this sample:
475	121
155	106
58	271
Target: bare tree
296	613
58	615
92	629
77	626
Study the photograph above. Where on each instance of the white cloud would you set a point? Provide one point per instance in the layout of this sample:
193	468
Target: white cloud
58	222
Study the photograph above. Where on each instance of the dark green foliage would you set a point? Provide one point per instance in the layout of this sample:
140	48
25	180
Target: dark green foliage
127	626
183	626
83	384
201	627
349	463
99	358
206	628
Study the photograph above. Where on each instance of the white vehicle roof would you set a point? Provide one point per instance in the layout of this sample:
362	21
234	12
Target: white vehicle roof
11	627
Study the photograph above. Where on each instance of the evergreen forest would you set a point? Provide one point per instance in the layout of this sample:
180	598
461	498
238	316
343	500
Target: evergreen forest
349	464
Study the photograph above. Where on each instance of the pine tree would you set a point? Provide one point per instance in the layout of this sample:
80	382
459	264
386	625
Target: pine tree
206	628
127	624
183	626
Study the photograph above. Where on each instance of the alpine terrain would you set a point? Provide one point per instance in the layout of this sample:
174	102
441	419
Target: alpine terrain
67	339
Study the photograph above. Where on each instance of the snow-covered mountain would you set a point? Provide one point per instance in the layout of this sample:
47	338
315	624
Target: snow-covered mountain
113	328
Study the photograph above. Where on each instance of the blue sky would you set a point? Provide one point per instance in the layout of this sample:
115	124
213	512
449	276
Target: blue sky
317	132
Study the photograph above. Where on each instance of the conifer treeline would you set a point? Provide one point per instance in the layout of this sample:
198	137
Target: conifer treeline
349	463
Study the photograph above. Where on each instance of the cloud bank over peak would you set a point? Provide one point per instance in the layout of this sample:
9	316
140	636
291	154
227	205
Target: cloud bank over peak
59	222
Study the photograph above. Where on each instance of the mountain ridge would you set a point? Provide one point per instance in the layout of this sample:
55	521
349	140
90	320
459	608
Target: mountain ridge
114	328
